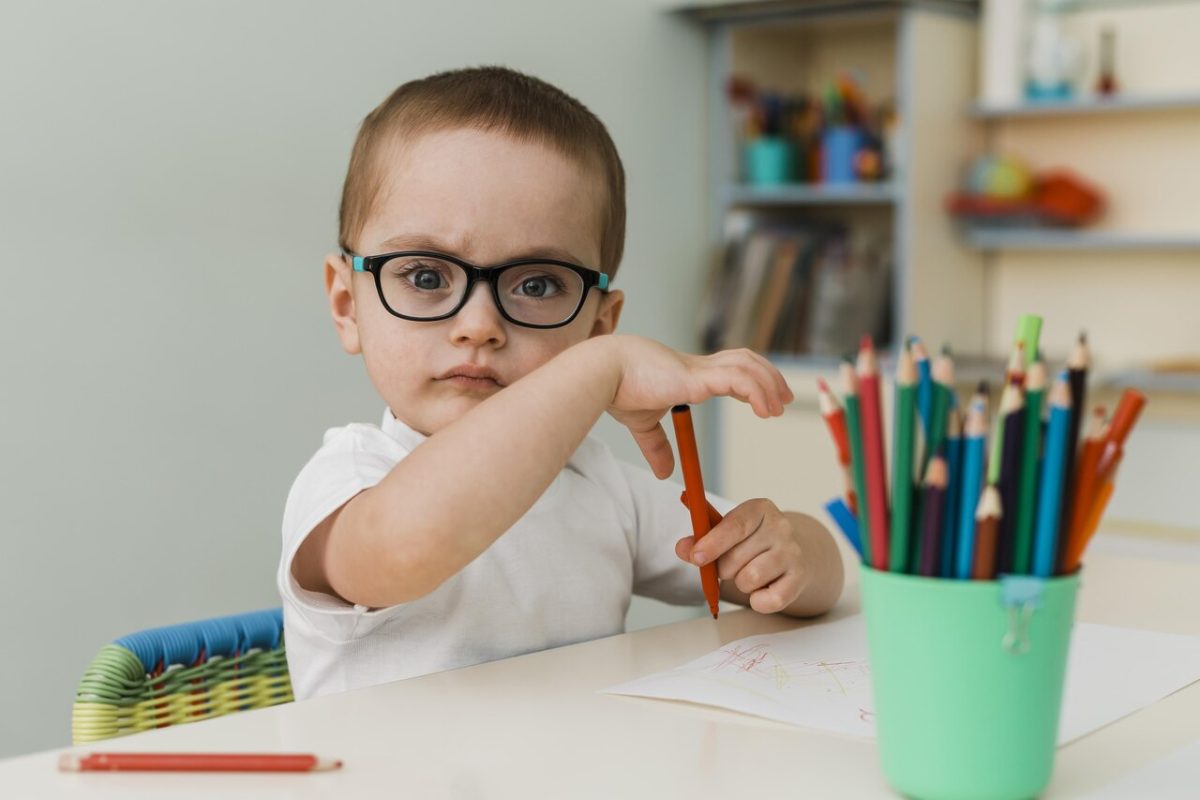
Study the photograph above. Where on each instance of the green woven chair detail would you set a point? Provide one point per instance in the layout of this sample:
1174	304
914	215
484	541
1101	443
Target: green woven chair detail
182	673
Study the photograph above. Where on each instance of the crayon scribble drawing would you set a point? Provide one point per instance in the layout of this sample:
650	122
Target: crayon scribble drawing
815	676
835	677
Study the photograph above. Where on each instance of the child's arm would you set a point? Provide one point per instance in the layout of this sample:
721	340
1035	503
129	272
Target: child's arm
446	502
771	560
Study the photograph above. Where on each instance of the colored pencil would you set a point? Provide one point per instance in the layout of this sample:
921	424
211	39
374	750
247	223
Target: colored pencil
943	388
1012	411
1027	475
693	481
954	456
902	461
1014	373
1129	408
846	521
1075	555
933	506
974	444
873	452
714	516
195	762
1077	370
857	461
835	419
924	383
1085	481
1052	481
1029	329
987	522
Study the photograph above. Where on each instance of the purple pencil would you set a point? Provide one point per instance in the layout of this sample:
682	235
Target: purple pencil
1012	408
934	506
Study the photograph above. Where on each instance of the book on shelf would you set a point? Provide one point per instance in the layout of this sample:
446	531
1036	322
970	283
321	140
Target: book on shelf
808	289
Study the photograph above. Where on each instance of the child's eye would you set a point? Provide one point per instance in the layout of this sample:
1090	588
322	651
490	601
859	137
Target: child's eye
538	286
423	276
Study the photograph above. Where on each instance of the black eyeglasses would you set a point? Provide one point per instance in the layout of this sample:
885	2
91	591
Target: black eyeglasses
426	286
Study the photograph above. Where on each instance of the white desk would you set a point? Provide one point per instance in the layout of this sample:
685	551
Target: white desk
536	726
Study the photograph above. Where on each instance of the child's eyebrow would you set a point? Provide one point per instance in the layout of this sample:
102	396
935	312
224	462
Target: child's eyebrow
424	242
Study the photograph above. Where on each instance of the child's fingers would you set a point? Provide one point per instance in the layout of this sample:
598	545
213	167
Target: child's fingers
683	548
778	595
762	571
656	449
726	381
777	379
738	525
734	560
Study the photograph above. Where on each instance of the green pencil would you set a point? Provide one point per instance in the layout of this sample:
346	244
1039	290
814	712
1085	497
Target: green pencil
943	388
902	462
1035	391
1014	372
1029	330
854	431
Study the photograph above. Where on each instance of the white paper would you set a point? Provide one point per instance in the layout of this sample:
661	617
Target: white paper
818	676
1173	777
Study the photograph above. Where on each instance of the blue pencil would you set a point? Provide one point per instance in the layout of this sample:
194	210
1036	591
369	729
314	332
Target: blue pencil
845	520
954	448
1050	489
924	388
974	443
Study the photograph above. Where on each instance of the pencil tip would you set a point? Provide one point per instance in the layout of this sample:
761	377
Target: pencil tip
822	385
714	615
866	343
983	387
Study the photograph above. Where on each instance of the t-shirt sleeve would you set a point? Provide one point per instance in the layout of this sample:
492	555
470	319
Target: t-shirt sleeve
351	459
660	521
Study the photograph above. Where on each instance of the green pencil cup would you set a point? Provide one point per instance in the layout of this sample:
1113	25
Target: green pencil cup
968	681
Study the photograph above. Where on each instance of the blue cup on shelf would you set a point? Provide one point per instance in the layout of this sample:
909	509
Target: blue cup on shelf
768	161
839	145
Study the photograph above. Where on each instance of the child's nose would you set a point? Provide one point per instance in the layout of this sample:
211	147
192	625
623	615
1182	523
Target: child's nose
478	321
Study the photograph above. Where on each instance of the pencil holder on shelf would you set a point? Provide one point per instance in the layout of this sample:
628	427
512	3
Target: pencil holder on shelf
968	680
768	161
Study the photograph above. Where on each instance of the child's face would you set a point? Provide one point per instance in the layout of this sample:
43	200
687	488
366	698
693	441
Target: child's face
485	198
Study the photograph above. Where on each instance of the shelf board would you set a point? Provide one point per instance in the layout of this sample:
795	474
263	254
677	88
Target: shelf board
1024	239
809	194
1090	105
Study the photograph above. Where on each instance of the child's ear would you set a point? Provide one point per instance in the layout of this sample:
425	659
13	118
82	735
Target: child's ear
609	313
341	301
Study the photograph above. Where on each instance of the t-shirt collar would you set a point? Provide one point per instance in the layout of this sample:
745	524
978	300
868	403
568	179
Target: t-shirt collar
399	431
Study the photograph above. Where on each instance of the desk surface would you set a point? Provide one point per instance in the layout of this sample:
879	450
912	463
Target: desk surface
537	726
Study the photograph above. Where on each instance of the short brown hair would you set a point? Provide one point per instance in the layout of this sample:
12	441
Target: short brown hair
492	99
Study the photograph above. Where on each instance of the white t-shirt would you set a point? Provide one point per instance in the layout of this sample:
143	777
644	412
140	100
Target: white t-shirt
563	573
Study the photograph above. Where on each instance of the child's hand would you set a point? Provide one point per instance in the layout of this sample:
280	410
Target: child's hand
757	548
653	378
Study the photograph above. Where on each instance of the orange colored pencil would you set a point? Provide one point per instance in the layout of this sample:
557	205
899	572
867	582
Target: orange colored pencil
987	528
714	516
1085	481
693	481
1079	545
195	762
1124	418
873	453
835	419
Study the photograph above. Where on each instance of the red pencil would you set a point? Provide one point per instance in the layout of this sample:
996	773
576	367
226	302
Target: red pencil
835	419
195	762
693	481
873	454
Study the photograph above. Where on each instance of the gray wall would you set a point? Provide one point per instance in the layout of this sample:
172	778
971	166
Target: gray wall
169	178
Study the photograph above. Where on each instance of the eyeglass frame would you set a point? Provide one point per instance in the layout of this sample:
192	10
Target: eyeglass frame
591	278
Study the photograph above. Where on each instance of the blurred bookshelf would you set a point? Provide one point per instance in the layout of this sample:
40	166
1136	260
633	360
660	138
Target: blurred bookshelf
1081	239
914	278
1121	104
810	194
